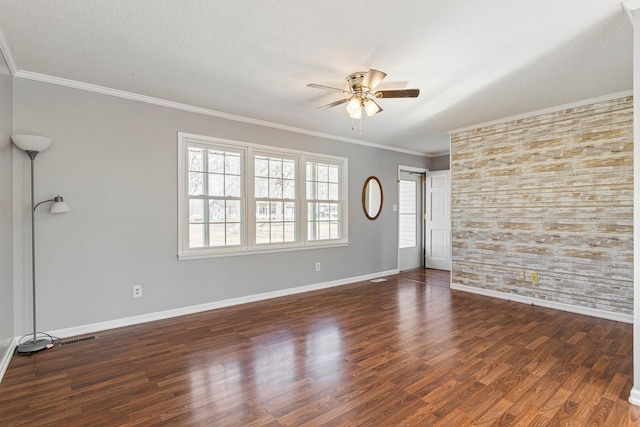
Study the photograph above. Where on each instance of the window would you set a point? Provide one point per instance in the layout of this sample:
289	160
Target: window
324	210
407	213
214	187
236	198
275	199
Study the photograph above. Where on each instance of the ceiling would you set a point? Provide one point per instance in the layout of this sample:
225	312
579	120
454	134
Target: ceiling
473	61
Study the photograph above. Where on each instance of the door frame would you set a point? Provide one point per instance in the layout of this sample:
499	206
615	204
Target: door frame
423	172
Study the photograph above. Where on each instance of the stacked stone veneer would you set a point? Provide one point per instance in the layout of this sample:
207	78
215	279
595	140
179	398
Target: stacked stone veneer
552	194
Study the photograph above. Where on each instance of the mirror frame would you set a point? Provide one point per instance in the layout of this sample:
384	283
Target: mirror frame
364	197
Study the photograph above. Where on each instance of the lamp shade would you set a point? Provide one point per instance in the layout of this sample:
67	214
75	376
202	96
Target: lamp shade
371	107
31	142
59	206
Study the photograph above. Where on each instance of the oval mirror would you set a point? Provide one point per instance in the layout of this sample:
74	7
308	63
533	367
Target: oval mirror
372	197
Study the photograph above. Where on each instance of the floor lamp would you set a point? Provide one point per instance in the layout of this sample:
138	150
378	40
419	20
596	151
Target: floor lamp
33	145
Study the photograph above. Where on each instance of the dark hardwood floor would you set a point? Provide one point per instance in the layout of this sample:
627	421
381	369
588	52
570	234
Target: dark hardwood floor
407	351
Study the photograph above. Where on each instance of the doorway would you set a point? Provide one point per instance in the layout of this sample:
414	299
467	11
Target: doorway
410	218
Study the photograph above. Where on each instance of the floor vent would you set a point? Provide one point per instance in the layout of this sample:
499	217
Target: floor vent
381	279
78	340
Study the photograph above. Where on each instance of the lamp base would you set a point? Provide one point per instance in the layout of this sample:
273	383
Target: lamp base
32	346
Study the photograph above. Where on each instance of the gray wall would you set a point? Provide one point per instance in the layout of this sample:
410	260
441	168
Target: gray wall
6	211
440	163
114	161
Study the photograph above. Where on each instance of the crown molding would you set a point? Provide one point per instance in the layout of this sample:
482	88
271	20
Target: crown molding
7	53
28	75
555	109
631	7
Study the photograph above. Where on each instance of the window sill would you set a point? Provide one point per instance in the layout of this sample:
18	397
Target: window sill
204	254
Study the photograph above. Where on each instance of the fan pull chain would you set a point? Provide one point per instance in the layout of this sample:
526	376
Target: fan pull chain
353	126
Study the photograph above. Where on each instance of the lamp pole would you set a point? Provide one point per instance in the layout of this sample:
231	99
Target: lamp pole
32	145
34	344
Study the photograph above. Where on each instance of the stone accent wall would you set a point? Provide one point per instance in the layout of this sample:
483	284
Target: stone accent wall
551	194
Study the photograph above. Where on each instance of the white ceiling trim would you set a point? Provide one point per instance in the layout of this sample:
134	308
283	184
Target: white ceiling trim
199	110
555	109
5	51
631	6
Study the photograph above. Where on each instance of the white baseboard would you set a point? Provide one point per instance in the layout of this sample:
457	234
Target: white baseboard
634	397
6	357
150	317
609	315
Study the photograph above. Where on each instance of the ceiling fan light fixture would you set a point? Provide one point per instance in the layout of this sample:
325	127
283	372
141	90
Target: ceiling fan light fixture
371	107
356	114
354	106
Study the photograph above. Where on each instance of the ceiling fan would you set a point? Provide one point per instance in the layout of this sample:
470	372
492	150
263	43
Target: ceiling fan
362	93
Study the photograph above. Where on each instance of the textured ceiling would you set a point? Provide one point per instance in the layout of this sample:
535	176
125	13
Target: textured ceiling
472	61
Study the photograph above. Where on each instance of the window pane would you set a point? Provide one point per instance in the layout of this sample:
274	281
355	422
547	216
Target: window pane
333	191
288	189
233	234
407	217
333	174
334	230
263	232
196	183
232	186
323	230
407	197
232	164
289	232
311	190
275	188
323	172
216	185
290	211
407	231
216	161
261	167
262	211
275	168
288	169
217	235
323	191
277	232
196	235
277	211
262	188
216	211
196	210
234	213
196	159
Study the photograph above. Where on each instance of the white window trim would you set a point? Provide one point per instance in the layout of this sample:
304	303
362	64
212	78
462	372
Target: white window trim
249	247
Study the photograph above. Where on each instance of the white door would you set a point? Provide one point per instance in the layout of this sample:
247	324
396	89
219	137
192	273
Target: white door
410	213
438	220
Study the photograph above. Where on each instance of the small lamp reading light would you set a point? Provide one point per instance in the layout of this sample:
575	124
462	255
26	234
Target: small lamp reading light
59	206
32	145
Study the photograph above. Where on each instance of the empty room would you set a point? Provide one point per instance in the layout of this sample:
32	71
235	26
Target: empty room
283	213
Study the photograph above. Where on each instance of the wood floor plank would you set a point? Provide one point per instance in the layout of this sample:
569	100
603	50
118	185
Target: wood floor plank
408	351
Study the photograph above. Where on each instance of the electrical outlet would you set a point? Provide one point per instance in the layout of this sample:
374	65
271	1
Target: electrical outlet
137	291
522	275
534	277
317	266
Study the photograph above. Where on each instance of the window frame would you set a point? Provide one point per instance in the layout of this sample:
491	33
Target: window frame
249	151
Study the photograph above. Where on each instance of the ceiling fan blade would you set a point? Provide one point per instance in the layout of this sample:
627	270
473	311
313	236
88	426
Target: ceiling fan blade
328	88
400	93
373	78
333	104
